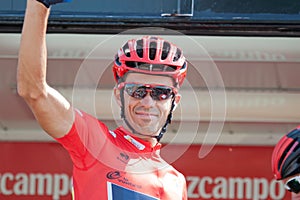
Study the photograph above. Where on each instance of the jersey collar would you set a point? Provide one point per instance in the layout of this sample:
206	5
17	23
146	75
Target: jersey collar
138	143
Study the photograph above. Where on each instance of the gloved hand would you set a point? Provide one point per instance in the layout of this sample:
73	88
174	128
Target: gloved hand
48	3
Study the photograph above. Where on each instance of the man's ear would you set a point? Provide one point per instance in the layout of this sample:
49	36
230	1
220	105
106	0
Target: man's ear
117	95
177	100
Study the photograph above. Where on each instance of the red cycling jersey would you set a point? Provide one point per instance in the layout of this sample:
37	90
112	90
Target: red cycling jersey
116	165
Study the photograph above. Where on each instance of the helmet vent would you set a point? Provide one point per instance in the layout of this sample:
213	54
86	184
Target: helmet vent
126	50
284	154
131	64
298	160
117	61
170	68
177	55
297	147
152	50
288	148
139	48
165	51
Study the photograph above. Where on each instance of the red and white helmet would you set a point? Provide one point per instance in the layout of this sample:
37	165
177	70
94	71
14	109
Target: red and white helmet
286	155
150	55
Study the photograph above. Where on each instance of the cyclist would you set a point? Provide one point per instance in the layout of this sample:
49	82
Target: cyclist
124	163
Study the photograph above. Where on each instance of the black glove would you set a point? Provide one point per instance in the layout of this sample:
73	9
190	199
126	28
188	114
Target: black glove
48	3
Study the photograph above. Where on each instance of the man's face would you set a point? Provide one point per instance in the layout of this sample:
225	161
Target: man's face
147	116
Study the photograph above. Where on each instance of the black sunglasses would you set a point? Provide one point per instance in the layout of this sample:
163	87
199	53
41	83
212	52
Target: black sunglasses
293	184
139	91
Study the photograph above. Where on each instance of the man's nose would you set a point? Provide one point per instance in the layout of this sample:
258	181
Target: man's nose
147	101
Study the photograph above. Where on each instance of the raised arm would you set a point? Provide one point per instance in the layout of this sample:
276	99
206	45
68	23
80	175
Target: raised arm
53	112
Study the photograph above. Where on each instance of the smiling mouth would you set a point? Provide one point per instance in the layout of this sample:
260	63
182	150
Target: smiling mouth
146	115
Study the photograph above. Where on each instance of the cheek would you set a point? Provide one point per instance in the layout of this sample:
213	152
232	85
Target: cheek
129	105
165	108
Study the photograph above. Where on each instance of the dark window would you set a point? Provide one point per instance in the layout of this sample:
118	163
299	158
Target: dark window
189	16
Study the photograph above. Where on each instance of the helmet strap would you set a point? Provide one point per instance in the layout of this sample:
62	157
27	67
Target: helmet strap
169	119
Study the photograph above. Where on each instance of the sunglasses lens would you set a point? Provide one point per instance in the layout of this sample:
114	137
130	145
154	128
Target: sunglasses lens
140	91
161	93
136	91
294	185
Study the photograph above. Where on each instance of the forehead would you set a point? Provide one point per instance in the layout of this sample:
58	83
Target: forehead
149	79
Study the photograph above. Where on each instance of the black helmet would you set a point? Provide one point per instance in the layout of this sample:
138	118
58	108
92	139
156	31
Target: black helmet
286	155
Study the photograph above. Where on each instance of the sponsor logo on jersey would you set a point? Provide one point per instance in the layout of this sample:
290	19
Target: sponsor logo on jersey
123	157
113	175
116	175
137	144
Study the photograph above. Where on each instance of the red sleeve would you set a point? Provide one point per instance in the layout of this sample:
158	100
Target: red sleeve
184	192
85	139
